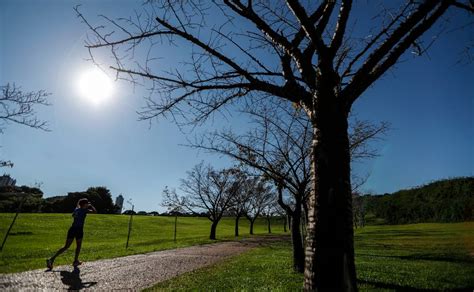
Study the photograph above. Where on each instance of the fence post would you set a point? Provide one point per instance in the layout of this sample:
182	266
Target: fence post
13	222
129	227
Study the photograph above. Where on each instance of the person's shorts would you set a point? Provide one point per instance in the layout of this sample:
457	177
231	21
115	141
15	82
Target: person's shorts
75	232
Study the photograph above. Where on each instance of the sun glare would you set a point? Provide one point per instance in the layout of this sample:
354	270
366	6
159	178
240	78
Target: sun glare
95	86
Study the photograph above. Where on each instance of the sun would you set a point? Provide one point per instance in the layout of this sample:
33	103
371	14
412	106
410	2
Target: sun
95	86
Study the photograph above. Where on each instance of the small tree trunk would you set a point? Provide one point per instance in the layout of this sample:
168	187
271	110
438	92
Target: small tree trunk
284	223
251	225
269	224
213	230
175	227
237	226
289	221
296	240
330	235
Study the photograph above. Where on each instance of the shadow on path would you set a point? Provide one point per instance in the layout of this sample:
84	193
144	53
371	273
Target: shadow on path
73	280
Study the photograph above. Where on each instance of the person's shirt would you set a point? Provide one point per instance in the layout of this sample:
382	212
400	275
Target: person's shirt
79	216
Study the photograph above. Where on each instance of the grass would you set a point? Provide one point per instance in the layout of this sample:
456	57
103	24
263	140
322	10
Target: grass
421	256
36	237
398	257
265	268
405	257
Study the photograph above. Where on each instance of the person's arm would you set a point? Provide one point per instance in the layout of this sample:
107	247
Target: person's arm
92	209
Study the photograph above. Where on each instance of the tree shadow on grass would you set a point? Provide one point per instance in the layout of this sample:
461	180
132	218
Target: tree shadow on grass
21	233
380	285
73	280
449	258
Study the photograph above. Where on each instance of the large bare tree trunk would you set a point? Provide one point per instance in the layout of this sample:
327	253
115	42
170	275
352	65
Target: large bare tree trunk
329	263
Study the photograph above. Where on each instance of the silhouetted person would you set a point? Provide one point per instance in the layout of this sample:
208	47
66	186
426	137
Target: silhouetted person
75	231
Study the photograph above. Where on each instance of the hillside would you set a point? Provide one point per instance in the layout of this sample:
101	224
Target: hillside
448	200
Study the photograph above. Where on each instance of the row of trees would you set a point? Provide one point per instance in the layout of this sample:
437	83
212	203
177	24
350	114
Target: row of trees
272	173
218	193
310	53
31	200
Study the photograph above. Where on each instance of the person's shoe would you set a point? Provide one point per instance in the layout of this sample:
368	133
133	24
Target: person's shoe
76	263
49	264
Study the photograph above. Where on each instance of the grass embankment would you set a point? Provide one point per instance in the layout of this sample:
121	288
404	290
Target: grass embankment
403	257
35	237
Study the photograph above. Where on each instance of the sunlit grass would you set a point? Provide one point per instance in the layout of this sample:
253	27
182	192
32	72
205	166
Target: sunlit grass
421	256
35	237
404	257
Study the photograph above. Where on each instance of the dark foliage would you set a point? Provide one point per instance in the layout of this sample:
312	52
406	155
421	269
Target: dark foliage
32	199
100	197
449	200
12	196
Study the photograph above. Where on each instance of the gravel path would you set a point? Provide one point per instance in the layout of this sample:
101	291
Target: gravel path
130	272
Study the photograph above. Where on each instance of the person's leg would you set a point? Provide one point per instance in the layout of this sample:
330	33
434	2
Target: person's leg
78	250
63	249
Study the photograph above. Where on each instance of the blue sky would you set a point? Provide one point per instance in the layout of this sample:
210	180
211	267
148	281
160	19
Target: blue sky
429	102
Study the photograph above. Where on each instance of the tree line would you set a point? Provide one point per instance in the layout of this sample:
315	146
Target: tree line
31	200
447	200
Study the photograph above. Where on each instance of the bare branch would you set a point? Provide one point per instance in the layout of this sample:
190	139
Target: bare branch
18	107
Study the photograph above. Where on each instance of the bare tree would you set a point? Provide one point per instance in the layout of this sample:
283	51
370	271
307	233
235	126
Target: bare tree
260	195
174	204
240	200
210	191
17	106
313	62
280	212
269	210
279	149
359	206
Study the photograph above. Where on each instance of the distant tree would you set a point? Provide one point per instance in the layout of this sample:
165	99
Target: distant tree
280	212
269	210
316	57
261	195
100	197
209	190
359	207
129	212
11	197
175	206
240	200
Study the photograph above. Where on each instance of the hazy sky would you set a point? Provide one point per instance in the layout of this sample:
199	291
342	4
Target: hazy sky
429	102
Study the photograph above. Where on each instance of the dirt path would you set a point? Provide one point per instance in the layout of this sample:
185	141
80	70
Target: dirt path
130	272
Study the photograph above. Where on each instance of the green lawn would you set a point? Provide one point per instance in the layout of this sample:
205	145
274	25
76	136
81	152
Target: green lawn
405	257
35	237
400	257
